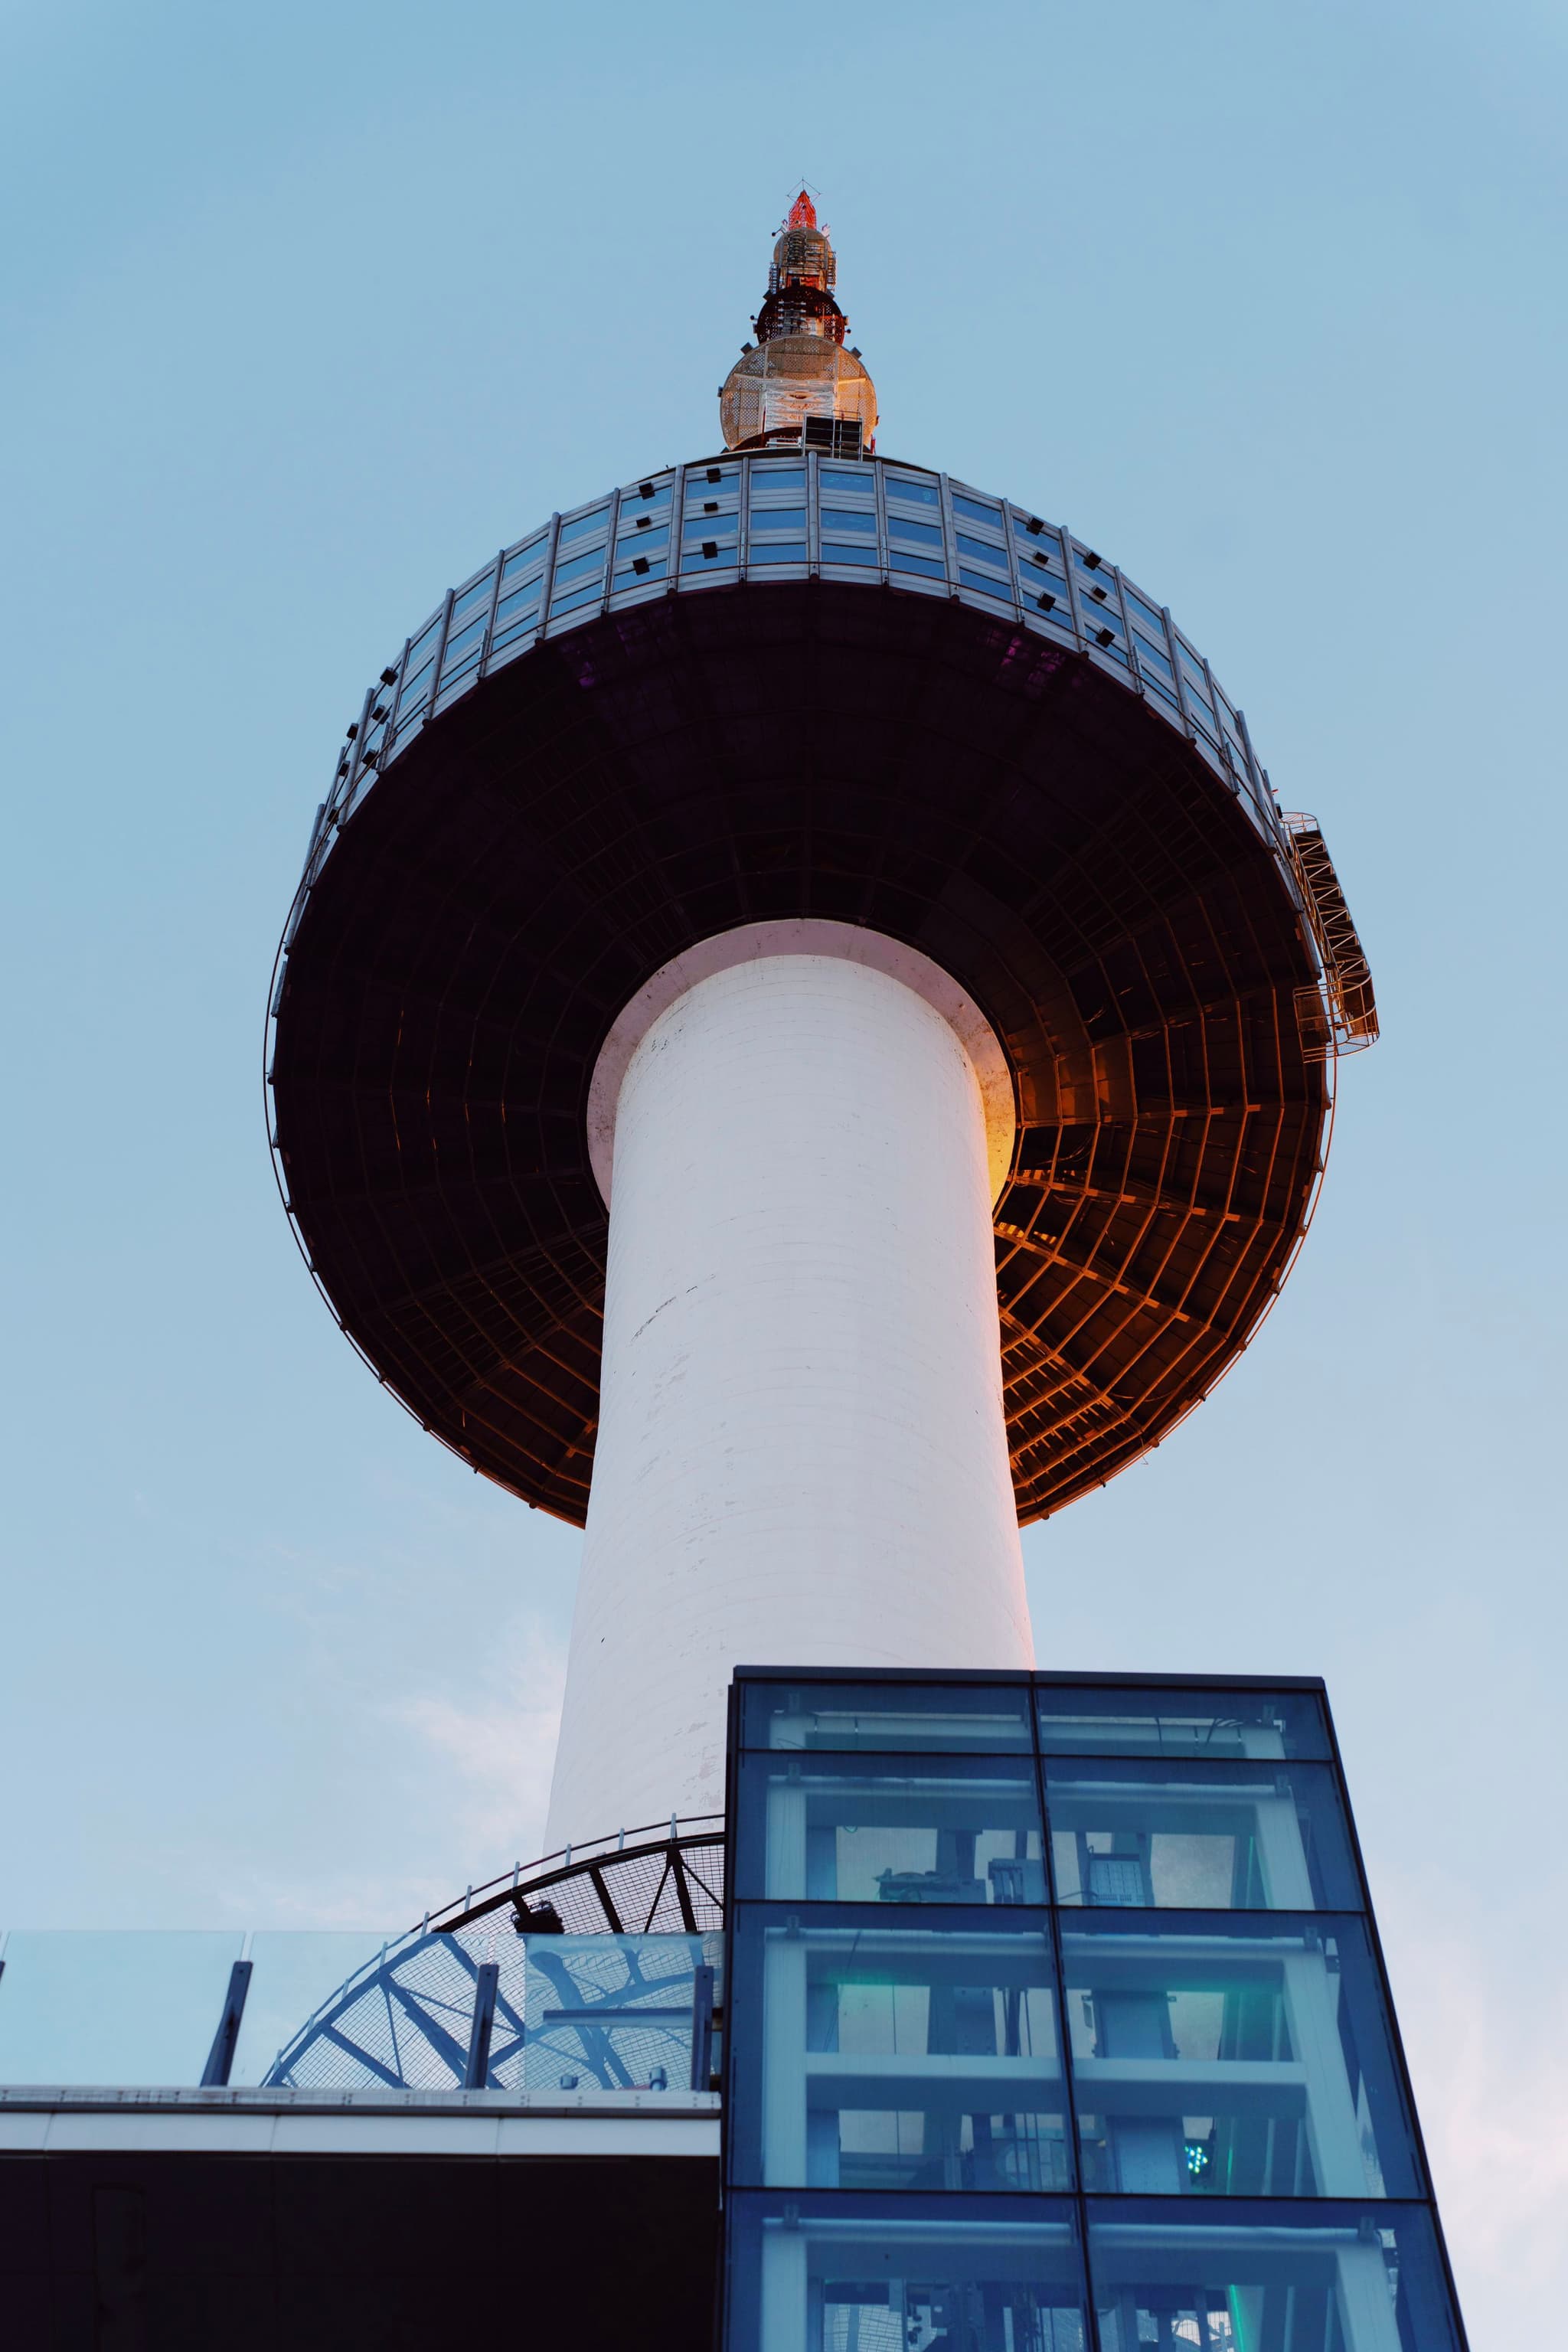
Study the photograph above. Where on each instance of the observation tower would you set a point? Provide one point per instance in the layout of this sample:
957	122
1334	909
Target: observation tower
805	1043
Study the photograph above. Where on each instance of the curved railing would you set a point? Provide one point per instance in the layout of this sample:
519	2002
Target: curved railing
621	1926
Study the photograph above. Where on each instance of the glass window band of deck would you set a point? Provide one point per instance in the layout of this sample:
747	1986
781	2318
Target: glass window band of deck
721	520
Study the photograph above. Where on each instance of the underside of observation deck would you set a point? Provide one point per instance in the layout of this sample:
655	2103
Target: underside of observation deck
807	749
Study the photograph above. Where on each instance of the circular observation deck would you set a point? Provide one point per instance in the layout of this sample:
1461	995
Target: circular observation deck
761	687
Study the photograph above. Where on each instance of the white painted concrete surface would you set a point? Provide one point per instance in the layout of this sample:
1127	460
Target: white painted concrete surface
802	1456
805	935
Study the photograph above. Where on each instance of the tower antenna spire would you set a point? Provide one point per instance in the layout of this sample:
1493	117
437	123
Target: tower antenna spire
799	385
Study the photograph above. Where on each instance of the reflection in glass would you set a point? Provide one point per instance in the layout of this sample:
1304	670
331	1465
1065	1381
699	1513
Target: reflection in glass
572	2013
1244	2060
1253	2279
612	2013
984	584
1223	1837
984	1718
293	1971
899	2057
864	1829
921	494
582	525
1094	1721
864	2274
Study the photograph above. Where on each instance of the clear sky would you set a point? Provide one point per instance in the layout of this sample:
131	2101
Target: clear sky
310	308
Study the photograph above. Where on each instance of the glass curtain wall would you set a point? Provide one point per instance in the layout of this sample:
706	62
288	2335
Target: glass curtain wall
1057	2025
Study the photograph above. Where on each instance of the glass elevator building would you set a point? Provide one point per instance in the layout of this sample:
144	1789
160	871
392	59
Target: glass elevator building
1058	2021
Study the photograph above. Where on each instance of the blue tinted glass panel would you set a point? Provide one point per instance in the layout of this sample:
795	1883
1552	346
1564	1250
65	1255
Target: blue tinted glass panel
466	642
902	562
846	552
520	608
920	494
1249	2058
1211	1837
777	550
766	518
1257	2278
980	552
1089	1719
977	1718
838	482
837	519
767	476
715	526
633	503
904	532
697	558
896	2274
424	645
528	558
858	1829
578	568
986	584
574	597
897	2056
415	690
582	525
975	510
629	575
474	598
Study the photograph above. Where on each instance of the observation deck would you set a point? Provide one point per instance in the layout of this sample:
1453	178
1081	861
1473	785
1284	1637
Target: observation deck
775	686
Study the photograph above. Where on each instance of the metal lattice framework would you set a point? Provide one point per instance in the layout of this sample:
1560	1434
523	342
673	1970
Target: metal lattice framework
596	1951
766	686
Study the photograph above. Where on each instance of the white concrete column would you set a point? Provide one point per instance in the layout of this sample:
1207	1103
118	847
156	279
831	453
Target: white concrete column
802	1455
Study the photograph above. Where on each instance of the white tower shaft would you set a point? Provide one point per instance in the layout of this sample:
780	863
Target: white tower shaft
801	1456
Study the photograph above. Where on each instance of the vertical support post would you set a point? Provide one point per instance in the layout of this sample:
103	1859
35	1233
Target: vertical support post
547	583
490	616
476	2073
1175	653
610	551
784	2123
1074	602
220	2057
701	2026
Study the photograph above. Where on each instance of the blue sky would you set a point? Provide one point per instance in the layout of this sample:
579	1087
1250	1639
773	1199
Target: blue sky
309	309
